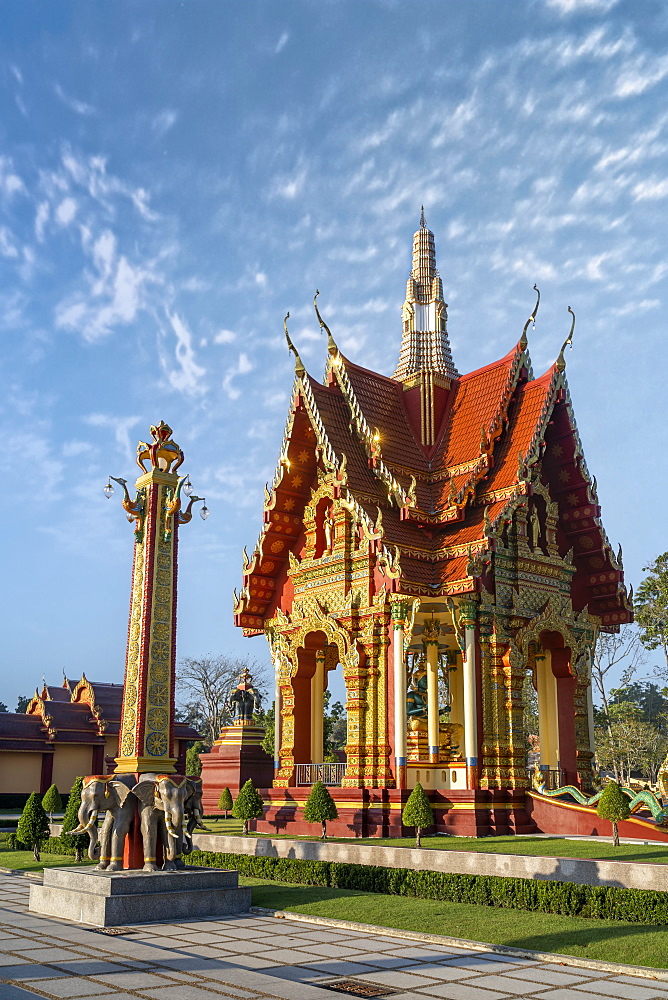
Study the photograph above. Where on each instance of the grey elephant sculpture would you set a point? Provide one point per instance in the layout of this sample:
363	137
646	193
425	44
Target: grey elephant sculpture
111	794
170	809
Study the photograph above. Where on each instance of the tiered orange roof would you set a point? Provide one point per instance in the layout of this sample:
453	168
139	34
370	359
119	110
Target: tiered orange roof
443	504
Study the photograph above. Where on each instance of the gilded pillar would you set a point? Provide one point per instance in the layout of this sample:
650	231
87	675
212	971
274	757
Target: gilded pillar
432	630
277	712
468	615
318	708
399	614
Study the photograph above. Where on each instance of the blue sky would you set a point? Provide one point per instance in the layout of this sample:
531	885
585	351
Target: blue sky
175	176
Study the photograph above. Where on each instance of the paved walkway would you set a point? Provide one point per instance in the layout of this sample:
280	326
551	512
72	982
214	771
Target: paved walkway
262	958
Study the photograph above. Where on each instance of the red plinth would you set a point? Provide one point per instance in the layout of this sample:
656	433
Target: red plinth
376	812
236	756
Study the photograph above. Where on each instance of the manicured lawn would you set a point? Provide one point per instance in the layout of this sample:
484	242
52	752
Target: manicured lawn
606	940
231	827
25	860
532	846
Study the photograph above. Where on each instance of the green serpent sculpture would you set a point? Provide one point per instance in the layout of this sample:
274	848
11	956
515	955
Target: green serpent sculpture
637	800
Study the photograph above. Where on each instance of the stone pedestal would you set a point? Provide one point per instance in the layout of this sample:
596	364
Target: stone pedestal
111	899
236	756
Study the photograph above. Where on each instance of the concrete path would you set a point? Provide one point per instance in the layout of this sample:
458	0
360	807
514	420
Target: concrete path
262	958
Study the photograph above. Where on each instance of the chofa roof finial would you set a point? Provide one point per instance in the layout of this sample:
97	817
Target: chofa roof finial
531	319
423	224
561	361
299	364
331	343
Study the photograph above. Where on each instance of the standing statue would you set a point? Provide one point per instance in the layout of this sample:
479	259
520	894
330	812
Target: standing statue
244	700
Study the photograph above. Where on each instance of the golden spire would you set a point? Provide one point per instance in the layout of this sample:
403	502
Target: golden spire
531	319
299	364
424	344
331	343
561	360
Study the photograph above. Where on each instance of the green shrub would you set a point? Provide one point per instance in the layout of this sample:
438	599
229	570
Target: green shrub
642	906
225	801
52	802
613	805
33	826
320	807
73	845
248	804
418	812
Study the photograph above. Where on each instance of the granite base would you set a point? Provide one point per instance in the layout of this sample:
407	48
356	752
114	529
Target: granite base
112	899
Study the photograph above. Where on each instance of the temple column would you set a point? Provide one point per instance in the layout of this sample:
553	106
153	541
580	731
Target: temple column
468	613
432	630
399	673
277	713
318	708
548	733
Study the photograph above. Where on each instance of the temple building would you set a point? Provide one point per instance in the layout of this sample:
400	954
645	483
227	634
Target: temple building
66	732
439	536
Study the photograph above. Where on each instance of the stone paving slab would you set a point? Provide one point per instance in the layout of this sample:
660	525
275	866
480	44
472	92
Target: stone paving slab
263	958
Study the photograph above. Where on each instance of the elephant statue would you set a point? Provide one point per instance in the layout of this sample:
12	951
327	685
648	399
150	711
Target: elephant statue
170	809
110	794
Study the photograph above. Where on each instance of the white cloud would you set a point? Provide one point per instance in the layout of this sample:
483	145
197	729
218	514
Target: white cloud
650	190
289	186
243	366
646	73
7	245
282	42
565	7
41	219
79	107
66	211
121	427
71	449
114	295
261	279
10	182
187	377
224	337
164	121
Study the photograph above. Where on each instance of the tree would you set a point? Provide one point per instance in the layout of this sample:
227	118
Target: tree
3	707
71	821
225	801
335	726
193	762
52	802
33	825
320	807
22	704
627	743
206	682
266	720
651	606
248	804
614	650
613	805
418	812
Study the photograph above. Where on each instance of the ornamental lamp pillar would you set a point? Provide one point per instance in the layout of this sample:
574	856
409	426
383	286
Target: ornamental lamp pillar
146	737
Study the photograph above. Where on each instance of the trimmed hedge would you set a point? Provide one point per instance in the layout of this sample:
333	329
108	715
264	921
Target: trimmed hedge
640	906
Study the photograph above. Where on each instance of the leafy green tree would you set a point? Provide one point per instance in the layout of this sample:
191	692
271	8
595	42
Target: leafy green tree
52	802
320	807
613	805
615	651
193	762
335	726
71	821
626	744
22	704
33	825
650	699
3	707
418	812
248	804
651	606
225	801
266	719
